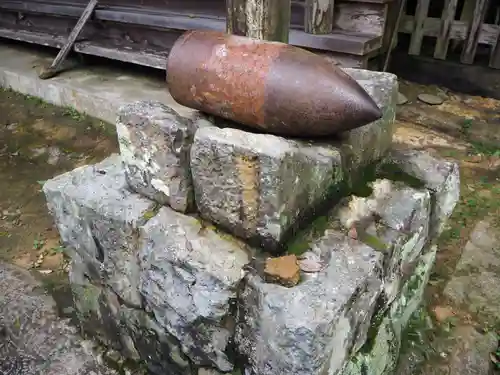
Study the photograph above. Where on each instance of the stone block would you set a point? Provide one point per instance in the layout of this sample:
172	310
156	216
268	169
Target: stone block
97	310
367	144
379	355
98	217
159	350
155	142
311	328
189	280
394	219
259	186
441	177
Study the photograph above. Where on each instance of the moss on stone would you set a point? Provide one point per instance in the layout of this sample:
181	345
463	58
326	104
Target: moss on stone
302	241
393	172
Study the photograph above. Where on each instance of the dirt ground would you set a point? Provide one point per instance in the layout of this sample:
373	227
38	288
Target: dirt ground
39	141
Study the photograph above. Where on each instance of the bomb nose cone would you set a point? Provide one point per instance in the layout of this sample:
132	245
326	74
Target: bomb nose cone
363	109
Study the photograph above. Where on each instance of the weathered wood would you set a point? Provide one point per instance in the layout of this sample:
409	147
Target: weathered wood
487	35
365	18
260	19
52	70
470	47
394	34
43	39
495	54
319	16
418	27
151	59
390	25
443	39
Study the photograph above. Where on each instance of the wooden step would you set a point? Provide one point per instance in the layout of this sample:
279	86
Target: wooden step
102	48
341	41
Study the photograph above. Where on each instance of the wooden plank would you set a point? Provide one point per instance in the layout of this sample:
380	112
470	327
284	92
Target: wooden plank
122	53
418	27
487	35
260	19
470	47
443	39
319	16
42	39
495	54
52	70
361	18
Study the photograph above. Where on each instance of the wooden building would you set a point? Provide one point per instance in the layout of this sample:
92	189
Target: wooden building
352	32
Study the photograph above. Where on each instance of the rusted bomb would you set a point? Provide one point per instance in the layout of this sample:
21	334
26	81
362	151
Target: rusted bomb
272	87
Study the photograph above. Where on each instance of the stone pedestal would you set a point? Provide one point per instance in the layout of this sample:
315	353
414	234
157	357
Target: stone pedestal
172	242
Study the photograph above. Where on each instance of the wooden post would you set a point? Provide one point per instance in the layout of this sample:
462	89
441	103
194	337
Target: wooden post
470	46
495	54
418	29
319	16
260	19
443	39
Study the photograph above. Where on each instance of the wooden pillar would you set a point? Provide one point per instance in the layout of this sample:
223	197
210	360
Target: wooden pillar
319	16
260	19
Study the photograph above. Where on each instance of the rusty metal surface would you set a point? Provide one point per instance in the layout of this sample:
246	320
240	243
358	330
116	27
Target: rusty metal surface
272	87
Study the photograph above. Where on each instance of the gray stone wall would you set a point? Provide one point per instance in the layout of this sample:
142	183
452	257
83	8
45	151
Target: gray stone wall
182	255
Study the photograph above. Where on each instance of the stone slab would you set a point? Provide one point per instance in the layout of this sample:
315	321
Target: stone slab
394	219
190	276
441	177
34	340
311	328
379	355
259	186
474	284
98	217
155	142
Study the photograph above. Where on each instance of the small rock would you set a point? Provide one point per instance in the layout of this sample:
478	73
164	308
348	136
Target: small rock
353	233
430	99
46	272
402	99
283	270
310	265
12	126
36	152
54	155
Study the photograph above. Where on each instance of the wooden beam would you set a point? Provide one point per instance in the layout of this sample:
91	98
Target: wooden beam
260	19
470	47
319	16
418	27
443	39
495	54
